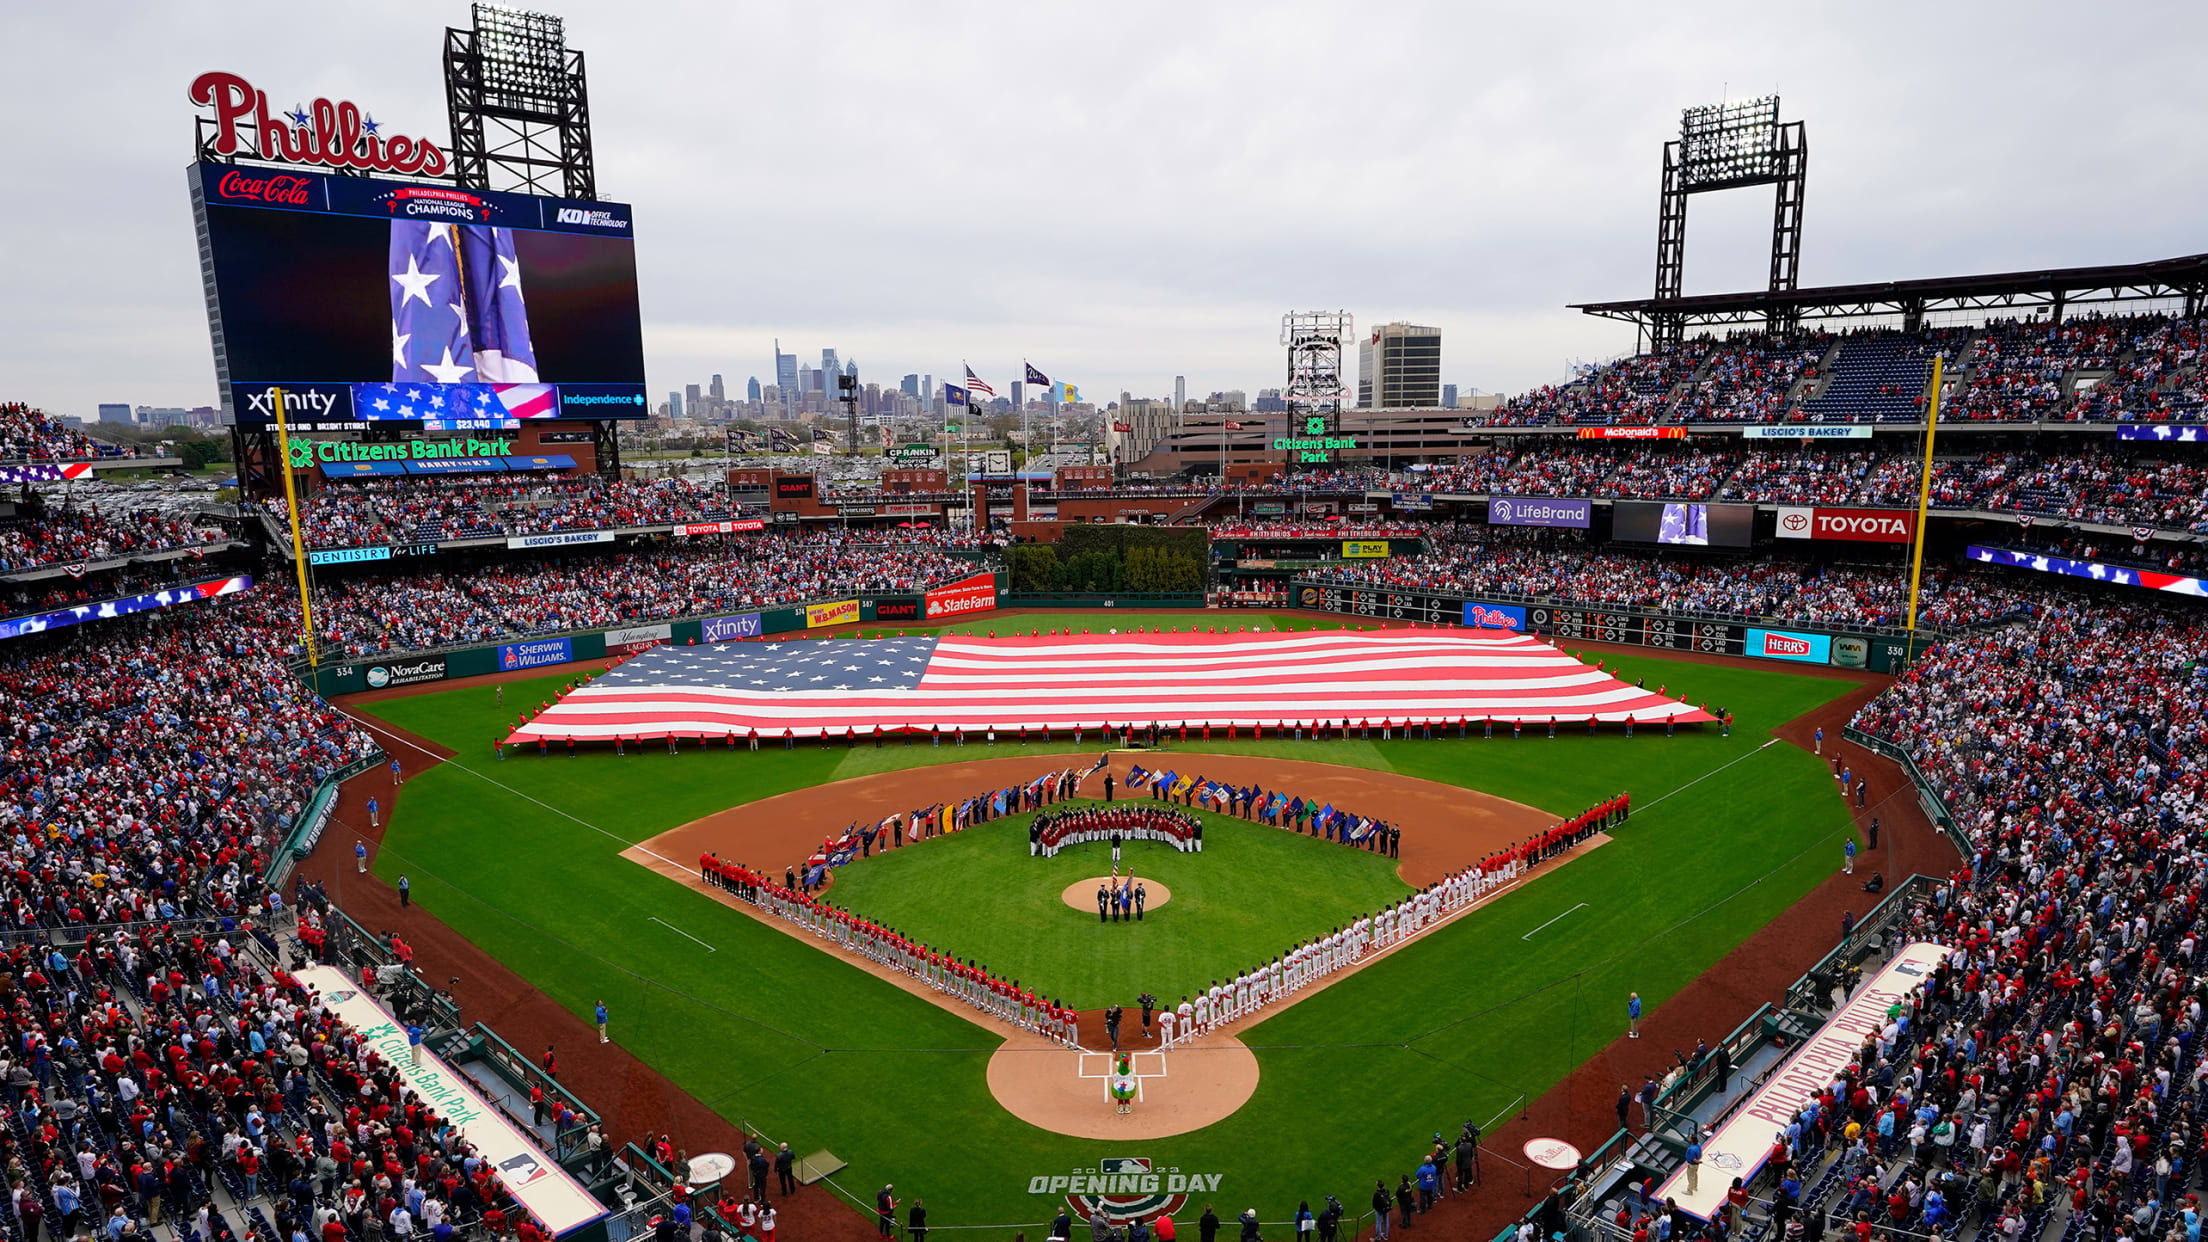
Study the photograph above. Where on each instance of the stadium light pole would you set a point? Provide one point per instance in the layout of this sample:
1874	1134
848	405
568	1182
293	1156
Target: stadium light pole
298	550
1924	501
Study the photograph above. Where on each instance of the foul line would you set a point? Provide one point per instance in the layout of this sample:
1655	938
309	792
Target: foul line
1712	772
678	931
1529	935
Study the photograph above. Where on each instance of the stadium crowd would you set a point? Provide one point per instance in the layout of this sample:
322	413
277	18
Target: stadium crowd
73	536
34	435
1513	562
400	511
444	607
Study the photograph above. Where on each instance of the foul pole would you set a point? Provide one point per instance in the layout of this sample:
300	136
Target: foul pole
1924	495
298	549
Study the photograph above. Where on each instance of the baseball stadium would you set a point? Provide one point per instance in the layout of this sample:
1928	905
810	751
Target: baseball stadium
1746	790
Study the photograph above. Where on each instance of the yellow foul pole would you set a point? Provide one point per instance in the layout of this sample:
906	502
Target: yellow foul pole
298	549
1924	494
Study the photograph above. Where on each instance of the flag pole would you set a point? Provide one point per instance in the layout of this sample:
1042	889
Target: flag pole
298	549
1924	502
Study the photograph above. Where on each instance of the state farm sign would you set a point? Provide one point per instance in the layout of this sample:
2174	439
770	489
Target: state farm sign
1857	525
968	595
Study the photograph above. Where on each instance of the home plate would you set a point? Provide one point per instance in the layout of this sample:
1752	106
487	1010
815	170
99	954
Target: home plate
1141	1064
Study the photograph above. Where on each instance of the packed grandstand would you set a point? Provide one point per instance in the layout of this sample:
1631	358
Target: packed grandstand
157	762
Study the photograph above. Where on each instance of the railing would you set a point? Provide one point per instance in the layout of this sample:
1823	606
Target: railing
1636	610
306	830
1810	991
510	1064
349	946
1928	794
1105	599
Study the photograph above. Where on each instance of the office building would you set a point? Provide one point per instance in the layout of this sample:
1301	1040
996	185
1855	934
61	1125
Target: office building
785	373
1180	393
1019	394
674	403
719	393
751	390
116	412
910	385
830	368
1448	396
1399	367
690	400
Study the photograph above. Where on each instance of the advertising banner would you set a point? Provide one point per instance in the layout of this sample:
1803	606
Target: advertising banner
1808	431
535	653
1355	548
637	638
560	539
346	556
405	672
1782	645
967	595
722	528
2121	575
1539	511
2160	431
1852	525
794	487
81	613
534	1178
1743	1143
729	629
895	608
1632	433
1410	502
836	613
1496	617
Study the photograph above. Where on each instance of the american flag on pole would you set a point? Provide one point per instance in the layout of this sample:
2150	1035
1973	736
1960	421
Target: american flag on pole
827	686
977	383
457	315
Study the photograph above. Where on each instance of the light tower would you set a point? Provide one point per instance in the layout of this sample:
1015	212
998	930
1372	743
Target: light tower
1725	147
1315	390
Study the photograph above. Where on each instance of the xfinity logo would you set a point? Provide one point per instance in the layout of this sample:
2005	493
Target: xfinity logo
595	219
304	400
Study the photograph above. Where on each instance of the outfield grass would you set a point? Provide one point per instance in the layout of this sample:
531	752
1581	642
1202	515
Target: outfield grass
1252	893
520	856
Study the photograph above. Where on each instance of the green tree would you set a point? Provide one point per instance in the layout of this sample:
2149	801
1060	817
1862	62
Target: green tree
1034	567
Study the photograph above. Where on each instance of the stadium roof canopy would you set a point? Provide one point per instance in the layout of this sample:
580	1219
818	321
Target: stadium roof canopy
1910	300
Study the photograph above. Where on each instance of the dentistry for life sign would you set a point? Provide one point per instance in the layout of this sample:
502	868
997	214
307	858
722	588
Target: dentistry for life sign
1742	1144
541	1185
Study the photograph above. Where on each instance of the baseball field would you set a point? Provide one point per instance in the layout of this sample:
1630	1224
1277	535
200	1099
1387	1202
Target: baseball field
524	856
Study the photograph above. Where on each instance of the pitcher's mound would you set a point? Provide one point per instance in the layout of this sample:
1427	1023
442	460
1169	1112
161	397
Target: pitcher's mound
1047	1084
1081	895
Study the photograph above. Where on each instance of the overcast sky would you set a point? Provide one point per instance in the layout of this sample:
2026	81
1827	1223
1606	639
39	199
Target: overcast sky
1124	192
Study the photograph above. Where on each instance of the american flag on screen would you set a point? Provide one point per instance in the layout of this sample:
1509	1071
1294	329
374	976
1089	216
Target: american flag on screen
811	687
457	315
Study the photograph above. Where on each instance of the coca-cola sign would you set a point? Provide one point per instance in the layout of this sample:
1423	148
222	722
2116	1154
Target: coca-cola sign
275	189
333	135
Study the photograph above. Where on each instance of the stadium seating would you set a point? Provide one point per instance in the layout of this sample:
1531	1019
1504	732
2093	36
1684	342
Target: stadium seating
78	536
34	435
402	511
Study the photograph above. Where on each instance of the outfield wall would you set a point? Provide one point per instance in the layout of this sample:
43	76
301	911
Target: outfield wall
1876	651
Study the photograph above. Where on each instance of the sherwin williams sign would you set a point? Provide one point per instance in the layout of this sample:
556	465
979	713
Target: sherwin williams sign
1539	511
535	654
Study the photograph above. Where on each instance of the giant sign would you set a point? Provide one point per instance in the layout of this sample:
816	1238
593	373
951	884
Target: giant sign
534	1178
1742	1145
975	594
1854	525
1539	511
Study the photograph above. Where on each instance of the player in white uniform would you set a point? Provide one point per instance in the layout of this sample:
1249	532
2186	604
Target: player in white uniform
1166	1018
1188	1020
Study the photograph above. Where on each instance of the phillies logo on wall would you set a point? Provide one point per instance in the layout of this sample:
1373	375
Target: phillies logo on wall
1124	1188
334	135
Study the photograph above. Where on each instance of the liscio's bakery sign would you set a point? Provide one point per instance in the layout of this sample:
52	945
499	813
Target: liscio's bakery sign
331	135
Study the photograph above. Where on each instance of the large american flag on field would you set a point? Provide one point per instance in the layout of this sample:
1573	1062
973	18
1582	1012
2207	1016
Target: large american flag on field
1065	682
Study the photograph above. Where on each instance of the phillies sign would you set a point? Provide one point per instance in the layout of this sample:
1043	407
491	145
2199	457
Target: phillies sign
334	135
1856	525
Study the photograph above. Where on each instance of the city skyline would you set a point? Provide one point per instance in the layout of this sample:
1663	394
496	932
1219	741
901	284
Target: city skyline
1169	230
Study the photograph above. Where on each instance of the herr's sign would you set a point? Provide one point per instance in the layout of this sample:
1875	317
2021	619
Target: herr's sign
334	135
1854	525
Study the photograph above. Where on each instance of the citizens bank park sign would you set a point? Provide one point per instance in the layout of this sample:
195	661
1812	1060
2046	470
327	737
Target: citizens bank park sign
1124	1188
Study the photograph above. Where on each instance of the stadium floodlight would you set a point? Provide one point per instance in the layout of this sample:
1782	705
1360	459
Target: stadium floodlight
520	105
1722	147
1314	390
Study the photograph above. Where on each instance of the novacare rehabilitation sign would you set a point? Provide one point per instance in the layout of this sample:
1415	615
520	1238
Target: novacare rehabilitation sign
536	1181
